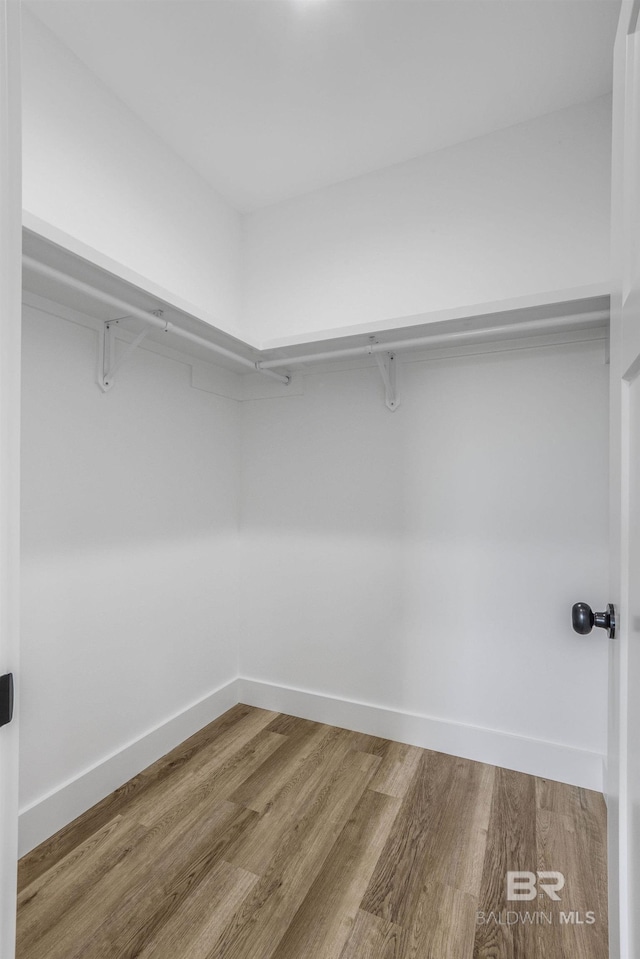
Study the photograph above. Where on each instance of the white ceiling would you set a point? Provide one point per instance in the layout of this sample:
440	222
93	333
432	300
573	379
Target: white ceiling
268	99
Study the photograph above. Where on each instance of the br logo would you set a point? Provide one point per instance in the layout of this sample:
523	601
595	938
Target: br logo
523	885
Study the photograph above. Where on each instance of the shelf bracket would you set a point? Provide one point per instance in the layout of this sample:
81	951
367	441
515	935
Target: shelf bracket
387	364
108	364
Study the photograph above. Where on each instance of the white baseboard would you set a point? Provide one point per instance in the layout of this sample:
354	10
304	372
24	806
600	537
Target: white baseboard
578	767
51	812
62	805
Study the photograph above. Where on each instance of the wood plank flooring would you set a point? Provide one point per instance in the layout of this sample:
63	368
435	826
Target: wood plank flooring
265	836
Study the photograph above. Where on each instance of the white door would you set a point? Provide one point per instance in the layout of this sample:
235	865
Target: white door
623	779
10	305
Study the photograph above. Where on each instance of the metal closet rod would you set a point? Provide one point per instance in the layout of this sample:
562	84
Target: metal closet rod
528	326
126	308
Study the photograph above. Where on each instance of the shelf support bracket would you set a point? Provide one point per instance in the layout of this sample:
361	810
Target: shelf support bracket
108	365
387	364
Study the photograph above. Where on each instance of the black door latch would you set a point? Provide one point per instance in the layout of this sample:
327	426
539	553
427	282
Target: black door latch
584	619
6	698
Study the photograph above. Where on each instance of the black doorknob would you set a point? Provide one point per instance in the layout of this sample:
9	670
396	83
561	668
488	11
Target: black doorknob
584	619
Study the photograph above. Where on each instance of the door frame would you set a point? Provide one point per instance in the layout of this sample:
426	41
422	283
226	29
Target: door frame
625	211
10	333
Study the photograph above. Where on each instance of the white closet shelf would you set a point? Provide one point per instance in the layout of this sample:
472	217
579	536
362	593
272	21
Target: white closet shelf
61	272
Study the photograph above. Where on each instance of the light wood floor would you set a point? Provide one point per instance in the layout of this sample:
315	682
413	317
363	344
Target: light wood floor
270	837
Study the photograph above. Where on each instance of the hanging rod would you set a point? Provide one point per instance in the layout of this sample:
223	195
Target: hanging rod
150	318
528	326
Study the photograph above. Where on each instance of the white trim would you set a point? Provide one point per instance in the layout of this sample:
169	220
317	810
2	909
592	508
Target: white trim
578	767
49	813
10	348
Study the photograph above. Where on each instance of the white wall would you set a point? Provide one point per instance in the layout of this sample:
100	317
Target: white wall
514	213
130	551
426	561
423	561
93	170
